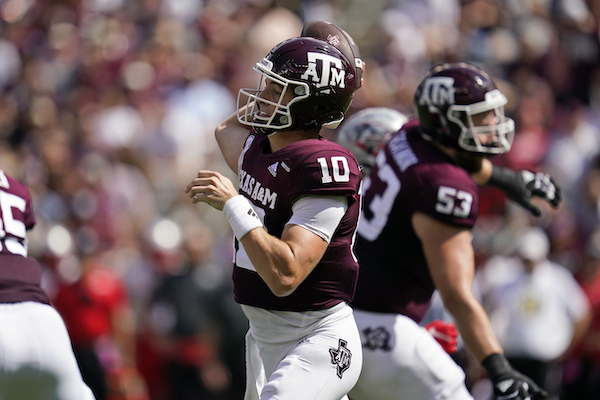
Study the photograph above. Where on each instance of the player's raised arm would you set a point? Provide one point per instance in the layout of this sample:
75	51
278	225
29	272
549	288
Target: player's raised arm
231	135
520	186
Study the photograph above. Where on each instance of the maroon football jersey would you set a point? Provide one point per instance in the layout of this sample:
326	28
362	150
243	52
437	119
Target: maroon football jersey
19	275
273	181
410	175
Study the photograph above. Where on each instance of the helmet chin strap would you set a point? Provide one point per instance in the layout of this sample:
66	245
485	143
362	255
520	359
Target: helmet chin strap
264	131
270	131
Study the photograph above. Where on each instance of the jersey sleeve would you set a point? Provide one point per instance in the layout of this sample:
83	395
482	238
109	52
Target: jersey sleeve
446	193
320	215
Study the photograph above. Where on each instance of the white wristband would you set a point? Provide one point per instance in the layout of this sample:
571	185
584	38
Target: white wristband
241	216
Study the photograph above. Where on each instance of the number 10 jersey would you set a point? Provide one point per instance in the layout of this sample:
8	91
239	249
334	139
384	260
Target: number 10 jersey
273	181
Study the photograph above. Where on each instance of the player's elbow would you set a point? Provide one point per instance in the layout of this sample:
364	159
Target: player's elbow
282	290
284	286
219	130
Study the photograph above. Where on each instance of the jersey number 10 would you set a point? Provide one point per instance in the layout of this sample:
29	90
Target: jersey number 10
339	166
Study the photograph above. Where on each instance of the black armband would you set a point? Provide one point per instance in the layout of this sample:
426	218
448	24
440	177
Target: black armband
504	178
496	365
512	184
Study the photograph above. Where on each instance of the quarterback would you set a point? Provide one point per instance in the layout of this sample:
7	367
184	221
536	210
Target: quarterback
294	217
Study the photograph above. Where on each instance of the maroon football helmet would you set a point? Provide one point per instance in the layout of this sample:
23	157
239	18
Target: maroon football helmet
320	78
336	36
449	102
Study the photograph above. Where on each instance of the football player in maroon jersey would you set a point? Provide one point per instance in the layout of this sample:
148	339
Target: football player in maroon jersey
368	130
34	342
414	236
294	218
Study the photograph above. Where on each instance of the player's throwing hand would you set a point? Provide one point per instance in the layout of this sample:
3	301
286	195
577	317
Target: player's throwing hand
212	188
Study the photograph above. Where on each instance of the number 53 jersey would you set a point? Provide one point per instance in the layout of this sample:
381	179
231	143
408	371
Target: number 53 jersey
411	175
273	181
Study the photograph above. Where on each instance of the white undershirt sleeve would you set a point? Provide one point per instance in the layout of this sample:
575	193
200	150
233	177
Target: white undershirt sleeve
319	214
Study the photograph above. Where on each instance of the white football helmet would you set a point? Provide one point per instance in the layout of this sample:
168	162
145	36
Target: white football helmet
365	132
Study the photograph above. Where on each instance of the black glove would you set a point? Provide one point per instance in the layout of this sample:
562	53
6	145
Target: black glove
508	383
521	186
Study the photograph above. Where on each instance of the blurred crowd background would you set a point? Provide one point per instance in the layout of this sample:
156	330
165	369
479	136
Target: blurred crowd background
107	111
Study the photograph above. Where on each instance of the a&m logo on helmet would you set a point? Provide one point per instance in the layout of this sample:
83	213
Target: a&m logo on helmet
438	91
332	70
333	40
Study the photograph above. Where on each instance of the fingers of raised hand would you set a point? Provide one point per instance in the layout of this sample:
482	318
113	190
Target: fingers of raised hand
199	188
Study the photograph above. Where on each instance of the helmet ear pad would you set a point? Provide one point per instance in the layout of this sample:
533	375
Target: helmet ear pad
436	129
310	122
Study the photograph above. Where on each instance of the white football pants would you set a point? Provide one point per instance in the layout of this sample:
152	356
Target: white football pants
313	355
36	356
402	361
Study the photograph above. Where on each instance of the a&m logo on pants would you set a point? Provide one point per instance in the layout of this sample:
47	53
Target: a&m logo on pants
341	357
377	338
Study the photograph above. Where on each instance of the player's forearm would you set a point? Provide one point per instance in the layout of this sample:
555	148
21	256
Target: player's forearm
282	265
474	327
